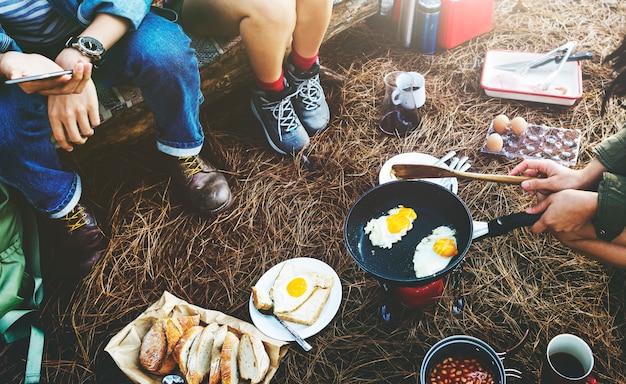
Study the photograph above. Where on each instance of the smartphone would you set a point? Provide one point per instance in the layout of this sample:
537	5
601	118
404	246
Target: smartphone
43	76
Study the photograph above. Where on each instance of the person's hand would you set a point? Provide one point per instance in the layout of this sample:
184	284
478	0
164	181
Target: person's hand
72	117
567	211
549	176
16	65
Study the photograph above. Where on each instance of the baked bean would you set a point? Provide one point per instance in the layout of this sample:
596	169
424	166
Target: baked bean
454	370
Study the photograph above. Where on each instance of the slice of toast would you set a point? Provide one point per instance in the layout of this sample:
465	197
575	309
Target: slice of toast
310	310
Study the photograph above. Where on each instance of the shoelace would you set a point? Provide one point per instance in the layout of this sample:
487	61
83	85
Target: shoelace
311	92
284	113
192	164
75	219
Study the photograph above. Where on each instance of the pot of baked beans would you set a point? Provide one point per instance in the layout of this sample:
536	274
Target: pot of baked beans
464	359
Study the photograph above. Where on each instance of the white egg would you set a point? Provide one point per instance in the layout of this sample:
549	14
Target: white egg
388	229
435	251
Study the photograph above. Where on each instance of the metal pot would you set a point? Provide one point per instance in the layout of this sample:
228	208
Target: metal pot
464	347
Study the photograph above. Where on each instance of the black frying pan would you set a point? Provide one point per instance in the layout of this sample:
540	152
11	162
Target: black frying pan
435	206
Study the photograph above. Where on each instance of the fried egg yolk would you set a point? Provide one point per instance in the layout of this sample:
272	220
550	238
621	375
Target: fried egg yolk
445	247
401	220
296	287
388	229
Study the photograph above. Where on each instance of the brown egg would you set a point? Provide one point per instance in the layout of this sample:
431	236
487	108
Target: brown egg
518	125
500	123
494	142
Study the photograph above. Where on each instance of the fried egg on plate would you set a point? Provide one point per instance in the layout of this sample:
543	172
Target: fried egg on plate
434	252
293	286
388	229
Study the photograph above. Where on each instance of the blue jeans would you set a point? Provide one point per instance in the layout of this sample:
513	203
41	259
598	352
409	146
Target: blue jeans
157	58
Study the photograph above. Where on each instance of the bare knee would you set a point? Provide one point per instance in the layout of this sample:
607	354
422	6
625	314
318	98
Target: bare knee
277	15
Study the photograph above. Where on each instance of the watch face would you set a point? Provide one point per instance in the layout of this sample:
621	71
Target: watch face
91	45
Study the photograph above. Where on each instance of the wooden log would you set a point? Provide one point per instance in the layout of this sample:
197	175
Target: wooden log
227	74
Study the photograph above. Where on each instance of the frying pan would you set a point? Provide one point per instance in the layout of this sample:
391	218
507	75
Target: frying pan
435	206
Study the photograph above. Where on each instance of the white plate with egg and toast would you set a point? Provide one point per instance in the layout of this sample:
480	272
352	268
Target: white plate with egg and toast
271	327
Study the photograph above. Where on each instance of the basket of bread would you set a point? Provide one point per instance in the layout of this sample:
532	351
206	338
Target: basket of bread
174	337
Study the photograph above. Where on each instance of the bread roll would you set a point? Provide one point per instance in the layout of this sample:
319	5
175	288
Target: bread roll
228	359
153	347
253	360
214	372
199	360
183	347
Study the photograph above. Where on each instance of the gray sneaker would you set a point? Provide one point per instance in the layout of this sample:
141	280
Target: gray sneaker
310	102
279	120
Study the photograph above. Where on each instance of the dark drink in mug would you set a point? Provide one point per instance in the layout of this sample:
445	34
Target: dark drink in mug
568	360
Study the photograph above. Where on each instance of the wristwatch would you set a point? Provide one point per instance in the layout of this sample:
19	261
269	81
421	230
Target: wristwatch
88	46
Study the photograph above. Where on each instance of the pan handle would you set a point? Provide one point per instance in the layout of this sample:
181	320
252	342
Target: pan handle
505	224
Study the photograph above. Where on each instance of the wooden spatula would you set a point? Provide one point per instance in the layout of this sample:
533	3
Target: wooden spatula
423	171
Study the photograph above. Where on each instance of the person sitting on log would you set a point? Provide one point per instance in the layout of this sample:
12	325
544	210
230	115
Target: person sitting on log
118	41
287	98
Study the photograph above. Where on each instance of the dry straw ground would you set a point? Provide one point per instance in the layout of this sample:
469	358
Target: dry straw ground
283	210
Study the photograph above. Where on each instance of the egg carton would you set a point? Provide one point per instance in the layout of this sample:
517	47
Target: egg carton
539	142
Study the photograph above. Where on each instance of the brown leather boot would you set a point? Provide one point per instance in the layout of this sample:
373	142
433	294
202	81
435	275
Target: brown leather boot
202	186
81	238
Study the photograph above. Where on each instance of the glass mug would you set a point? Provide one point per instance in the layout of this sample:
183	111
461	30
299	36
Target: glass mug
568	360
404	94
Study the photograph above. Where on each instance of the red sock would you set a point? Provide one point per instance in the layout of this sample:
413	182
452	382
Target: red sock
303	63
274	86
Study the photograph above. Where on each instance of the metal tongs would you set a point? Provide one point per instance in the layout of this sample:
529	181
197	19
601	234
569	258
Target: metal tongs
564	51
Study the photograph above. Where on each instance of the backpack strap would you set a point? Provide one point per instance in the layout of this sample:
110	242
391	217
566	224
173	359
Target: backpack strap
18	323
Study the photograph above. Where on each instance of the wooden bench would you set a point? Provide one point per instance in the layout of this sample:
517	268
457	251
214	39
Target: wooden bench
224	67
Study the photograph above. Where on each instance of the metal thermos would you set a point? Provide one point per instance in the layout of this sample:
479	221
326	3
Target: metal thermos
425	24
405	22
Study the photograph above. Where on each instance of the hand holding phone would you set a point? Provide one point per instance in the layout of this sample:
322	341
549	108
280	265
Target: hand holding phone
43	76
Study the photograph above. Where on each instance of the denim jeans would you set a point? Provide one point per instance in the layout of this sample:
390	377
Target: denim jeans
158	58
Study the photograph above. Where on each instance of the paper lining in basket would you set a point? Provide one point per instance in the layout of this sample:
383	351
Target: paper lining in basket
124	346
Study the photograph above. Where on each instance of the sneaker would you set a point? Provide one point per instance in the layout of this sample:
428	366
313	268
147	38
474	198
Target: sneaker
279	120
310	102
81	238
203	188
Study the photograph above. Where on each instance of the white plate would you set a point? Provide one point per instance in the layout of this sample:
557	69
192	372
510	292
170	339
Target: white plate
271	327
566	88
385	175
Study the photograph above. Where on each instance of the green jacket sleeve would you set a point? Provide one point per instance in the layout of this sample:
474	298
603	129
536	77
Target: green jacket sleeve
611	216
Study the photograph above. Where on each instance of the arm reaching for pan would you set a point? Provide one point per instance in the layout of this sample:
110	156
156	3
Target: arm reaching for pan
569	204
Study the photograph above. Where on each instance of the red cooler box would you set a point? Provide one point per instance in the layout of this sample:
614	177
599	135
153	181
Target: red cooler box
462	20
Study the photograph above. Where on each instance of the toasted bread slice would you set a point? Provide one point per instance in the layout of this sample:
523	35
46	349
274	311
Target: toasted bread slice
310	310
253	360
228	359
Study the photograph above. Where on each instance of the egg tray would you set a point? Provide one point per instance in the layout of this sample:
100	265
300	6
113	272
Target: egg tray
539	142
